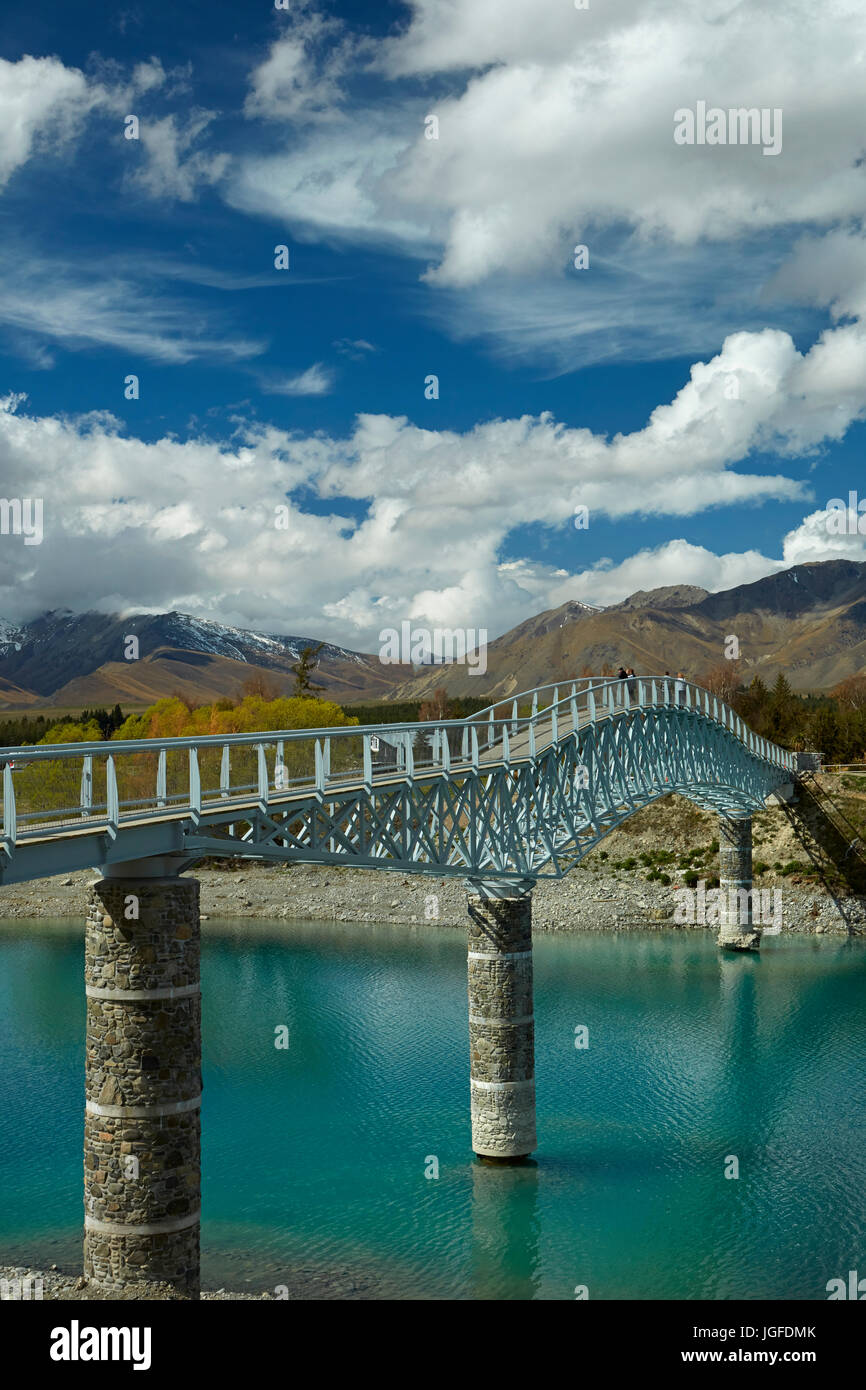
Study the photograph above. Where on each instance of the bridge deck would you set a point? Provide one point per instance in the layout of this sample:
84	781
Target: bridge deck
527	803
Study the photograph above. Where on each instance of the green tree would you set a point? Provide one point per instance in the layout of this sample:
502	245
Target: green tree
780	708
107	722
305	687
857	726
752	704
87	731
826	732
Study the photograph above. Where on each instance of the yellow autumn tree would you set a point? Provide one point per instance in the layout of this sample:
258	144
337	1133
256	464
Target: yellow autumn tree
172	718
71	732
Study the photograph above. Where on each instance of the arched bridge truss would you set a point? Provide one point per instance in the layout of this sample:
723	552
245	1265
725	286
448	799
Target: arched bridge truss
522	790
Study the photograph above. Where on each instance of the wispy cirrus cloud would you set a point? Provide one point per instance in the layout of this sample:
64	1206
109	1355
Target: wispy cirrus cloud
317	380
78	306
635	303
537	150
196	272
355	348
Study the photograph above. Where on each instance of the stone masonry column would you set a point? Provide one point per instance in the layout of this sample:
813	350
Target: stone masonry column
736	930
501	1025
142	1180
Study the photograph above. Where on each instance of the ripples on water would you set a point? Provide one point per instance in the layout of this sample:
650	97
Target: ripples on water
314	1157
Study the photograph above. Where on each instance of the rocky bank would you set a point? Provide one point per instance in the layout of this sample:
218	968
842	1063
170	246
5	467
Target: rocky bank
598	895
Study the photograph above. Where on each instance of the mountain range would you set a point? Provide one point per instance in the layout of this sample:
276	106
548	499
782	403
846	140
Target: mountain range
808	621
71	660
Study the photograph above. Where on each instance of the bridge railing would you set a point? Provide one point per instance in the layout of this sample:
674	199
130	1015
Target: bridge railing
48	787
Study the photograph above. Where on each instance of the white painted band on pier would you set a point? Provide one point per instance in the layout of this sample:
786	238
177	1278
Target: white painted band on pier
500	890
143	1112
501	1085
499	955
502	1022
120	996
146	1228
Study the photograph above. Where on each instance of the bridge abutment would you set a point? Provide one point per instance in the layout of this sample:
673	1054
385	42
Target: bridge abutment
737	932
142	1182
501	1023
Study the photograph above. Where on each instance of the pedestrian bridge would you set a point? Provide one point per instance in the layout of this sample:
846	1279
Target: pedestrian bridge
499	799
523	789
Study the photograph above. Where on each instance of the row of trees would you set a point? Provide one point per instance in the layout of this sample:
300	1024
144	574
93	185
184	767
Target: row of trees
25	728
262	704
177	718
90	726
833	724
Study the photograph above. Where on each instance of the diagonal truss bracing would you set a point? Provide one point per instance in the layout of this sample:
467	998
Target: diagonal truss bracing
496	796
529	816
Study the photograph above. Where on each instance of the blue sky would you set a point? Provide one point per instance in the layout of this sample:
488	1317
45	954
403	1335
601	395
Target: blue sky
700	386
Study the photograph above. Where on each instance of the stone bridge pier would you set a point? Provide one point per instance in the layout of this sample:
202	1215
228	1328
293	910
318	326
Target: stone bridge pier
142	1179
501	1023
737	932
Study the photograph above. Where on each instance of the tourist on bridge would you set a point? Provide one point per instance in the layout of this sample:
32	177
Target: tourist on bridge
680	688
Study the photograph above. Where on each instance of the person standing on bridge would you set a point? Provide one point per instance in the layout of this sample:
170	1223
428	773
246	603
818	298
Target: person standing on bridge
632	683
680	688
621	675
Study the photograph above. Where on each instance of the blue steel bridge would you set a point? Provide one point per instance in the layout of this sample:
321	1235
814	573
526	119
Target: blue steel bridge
505	795
500	799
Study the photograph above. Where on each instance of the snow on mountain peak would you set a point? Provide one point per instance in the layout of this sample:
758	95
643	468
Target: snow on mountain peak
10	637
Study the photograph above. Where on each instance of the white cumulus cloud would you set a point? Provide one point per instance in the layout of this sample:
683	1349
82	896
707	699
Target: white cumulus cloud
41	102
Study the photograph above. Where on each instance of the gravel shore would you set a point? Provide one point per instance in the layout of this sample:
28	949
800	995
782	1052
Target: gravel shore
586	900
58	1286
594	897
339	1283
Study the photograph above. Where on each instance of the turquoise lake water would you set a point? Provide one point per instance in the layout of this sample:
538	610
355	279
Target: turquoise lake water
314	1158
